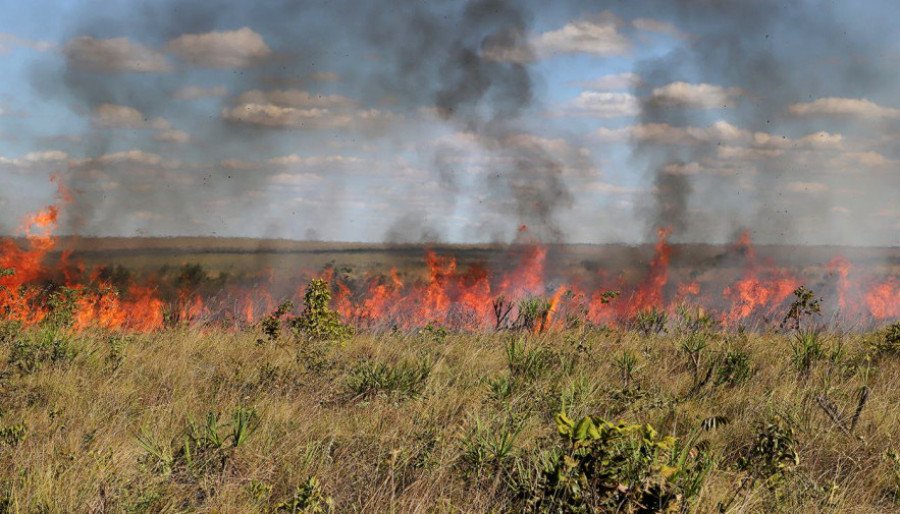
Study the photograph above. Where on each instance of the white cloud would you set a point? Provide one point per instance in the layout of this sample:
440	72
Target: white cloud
227	49
807	187
197	92
121	116
603	104
172	136
667	134
615	81
299	109
757	144
8	42
704	96
597	36
295	179
35	158
113	55
297	160
844	107
293	98
661	27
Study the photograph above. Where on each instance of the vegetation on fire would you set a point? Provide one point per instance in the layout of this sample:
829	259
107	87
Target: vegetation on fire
299	413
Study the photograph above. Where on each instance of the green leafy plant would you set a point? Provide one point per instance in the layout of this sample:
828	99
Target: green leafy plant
271	324
735	368
692	347
694	320
307	499
524	362
318	322
627	364
608	467
806	348
13	435
49	345
888	342
403	379
650	321
204	447
773	453
534	312
804	306
491	446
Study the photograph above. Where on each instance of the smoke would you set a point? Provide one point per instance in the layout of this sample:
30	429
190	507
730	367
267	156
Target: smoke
735	157
757	58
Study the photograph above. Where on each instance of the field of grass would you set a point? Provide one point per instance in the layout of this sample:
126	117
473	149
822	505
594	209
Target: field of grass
288	419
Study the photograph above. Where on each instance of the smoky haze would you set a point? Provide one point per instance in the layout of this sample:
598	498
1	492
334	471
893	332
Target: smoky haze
707	163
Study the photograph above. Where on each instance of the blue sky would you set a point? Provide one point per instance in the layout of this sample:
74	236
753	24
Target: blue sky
587	121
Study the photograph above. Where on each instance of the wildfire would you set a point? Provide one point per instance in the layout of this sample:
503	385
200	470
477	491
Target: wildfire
471	297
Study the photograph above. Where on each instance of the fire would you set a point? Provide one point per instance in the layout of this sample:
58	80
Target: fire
883	299
448	293
761	290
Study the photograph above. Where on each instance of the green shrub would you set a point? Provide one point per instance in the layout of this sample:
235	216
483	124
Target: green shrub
307	499
889	341
607	467
404	379
13	435
203	448
318	322
526	363
533	314
47	345
650	321
773	453
735	368
806	348
490	446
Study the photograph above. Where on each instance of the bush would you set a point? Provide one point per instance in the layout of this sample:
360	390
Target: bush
650	321
773	453
889	342
405	379
307	499
735	368
606	467
48	345
318	322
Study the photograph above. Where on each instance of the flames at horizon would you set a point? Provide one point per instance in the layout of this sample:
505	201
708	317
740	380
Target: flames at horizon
471	298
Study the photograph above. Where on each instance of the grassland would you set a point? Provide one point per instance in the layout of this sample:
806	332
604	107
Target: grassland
207	420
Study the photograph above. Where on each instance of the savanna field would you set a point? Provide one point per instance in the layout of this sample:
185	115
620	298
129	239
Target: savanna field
300	412
501	380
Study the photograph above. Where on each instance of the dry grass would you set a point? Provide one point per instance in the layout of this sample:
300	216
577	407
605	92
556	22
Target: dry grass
404	444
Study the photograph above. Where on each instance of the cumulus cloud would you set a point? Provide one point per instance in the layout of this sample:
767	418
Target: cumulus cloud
172	136
613	82
658	26
299	109
835	106
113	55
224	50
123	116
704	96
719	132
198	92
31	159
597	36
8	42
295	179
603	104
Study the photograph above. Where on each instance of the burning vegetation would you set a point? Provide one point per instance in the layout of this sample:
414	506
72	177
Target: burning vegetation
524	296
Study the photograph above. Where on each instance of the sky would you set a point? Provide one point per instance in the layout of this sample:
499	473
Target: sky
455	121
